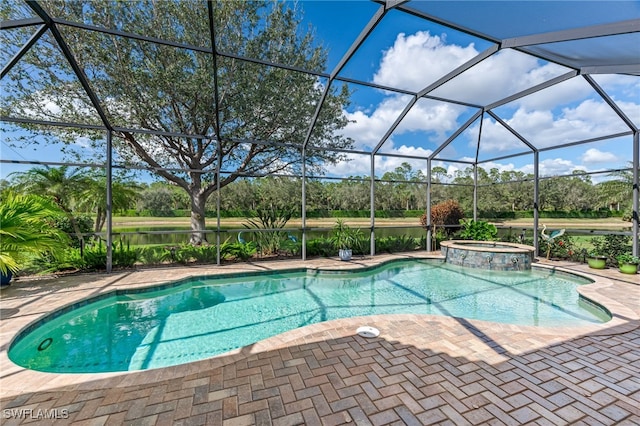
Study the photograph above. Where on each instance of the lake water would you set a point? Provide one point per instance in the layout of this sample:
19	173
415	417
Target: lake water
164	235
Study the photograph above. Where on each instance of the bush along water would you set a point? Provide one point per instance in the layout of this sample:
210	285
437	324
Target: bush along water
268	224
124	255
478	230
445	217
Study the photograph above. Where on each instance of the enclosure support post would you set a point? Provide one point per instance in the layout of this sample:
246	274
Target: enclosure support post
428	212
216	100
304	204
109	202
475	191
475	170
636	194
218	201
373	205
536	198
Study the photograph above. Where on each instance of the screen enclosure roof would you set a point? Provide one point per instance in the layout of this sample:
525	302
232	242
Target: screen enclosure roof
451	81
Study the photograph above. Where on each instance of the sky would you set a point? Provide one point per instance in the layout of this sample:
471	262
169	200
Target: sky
407	52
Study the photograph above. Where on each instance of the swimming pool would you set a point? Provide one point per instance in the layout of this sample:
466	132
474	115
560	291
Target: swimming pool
202	317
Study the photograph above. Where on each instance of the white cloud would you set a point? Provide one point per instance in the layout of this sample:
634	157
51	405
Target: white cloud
502	74
359	165
388	164
496	138
595	156
554	166
572	90
367	129
354	165
631	109
587	120
432	116
415	61
452	169
619	86
501	167
566	112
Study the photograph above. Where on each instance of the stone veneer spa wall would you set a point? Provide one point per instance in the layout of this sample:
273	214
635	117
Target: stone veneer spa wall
488	255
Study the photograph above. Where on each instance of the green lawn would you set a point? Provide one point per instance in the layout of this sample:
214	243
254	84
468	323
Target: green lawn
552	224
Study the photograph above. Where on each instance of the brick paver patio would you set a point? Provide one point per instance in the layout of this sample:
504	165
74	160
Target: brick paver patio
421	370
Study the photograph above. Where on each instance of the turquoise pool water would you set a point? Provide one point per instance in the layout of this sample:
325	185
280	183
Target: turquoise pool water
208	316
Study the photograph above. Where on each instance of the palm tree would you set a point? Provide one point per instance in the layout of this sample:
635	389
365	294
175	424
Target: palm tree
61	184
25	229
617	191
93	197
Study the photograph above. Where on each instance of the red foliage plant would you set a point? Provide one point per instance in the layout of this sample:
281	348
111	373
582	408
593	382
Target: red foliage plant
446	213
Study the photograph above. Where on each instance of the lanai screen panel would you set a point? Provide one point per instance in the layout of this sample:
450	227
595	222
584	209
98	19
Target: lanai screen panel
528	76
508	19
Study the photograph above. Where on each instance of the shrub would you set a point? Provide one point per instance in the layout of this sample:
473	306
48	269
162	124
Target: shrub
320	247
93	257
611	246
446	215
362	245
154	255
291	247
396	244
25	230
205	254
478	230
267	241
237	250
123	256
63	223
561	247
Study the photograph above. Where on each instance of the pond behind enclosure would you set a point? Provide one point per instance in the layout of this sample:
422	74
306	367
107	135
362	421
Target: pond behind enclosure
176	235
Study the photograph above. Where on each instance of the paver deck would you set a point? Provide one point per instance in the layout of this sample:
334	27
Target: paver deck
421	370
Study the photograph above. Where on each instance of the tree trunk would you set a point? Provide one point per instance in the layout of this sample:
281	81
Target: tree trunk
73	222
198	202
101	218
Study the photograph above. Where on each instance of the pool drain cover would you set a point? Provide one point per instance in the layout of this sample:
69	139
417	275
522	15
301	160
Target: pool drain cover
366	331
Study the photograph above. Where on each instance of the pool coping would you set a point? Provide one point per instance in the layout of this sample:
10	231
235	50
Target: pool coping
489	246
15	380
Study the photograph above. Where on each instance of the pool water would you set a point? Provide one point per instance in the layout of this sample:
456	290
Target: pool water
209	316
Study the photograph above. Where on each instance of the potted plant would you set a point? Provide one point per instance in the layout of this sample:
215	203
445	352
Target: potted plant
25	231
596	260
344	238
628	263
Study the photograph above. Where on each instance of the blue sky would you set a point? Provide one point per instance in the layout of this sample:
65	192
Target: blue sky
408	52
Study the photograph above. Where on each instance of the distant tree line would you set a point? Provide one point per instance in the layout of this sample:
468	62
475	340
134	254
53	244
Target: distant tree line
403	190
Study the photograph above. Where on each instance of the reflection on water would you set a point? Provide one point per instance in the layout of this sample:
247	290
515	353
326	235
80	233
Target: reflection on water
142	235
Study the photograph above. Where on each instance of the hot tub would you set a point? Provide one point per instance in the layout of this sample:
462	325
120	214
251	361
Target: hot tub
491	255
